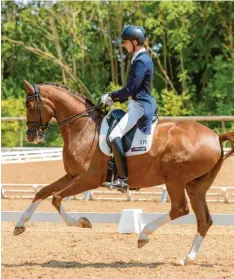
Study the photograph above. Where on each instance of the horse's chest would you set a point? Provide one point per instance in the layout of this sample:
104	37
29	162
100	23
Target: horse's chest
73	160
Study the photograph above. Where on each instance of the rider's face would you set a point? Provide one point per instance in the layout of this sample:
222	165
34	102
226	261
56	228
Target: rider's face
128	45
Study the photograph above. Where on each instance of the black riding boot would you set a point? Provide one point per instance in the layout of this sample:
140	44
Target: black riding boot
121	163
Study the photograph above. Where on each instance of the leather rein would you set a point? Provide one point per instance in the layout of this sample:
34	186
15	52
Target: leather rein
39	125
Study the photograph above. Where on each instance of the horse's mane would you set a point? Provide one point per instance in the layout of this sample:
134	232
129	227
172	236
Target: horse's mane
70	91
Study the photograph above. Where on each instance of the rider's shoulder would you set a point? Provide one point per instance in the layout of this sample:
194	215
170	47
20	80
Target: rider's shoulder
144	58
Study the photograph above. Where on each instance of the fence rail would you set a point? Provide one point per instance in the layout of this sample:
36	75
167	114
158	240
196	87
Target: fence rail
27	148
34	155
21	155
222	119
159	193
196	118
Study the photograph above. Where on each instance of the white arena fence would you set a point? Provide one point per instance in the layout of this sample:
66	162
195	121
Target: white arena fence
129	221
159	193
24	155
29	148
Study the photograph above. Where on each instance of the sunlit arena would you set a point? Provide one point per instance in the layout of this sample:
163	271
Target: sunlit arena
117	140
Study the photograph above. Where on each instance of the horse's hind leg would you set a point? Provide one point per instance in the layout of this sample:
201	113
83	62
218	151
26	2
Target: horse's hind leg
41	195
179	208
197	191
73	188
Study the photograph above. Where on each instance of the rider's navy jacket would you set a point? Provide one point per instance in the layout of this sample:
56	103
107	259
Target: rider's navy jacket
138	87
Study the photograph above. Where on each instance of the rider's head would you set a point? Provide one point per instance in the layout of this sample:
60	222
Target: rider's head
133	38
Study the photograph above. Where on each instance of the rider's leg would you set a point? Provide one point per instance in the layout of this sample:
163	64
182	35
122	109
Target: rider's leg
121	164
135	112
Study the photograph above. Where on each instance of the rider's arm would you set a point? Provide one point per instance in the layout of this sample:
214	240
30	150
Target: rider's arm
134	82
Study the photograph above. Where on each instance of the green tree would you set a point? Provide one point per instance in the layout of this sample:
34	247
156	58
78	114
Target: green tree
76	43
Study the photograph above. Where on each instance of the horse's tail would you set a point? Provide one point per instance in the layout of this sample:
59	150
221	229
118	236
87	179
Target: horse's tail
227	136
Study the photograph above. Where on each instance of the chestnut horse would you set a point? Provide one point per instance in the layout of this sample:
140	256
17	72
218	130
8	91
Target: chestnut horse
185	155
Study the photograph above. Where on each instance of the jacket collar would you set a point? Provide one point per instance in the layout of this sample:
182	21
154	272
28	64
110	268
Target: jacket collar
137	53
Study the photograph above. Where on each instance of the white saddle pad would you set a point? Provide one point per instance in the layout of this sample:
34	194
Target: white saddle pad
141	143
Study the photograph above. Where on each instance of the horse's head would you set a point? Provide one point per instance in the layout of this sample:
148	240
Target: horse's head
39	113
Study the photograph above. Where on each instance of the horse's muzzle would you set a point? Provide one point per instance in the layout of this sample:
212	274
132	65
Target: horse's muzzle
34	136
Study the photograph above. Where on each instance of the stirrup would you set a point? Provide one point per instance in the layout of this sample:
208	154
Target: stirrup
118	184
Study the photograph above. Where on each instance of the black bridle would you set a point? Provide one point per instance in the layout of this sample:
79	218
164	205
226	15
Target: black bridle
39	126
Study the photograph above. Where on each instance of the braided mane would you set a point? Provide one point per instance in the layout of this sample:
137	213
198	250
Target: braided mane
70	91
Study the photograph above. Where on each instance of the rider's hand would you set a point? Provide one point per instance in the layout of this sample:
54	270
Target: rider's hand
106	100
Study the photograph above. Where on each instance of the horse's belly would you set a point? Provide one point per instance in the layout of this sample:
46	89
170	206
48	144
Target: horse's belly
144	171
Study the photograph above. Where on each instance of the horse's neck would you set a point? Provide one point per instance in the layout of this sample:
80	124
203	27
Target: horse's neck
64	103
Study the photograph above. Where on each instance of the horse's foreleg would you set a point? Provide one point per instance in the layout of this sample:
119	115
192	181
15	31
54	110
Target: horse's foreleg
41	195
73	188
151	227
178	208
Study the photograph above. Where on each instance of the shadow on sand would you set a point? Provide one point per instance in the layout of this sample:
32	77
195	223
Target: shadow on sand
72	264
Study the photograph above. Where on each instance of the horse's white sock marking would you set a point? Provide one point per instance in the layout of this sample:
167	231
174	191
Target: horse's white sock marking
70	221
193	250
28	213
152	226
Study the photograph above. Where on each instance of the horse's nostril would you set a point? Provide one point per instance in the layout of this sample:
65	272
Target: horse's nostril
30	137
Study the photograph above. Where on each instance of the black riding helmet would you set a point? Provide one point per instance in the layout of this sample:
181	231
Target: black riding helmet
134	33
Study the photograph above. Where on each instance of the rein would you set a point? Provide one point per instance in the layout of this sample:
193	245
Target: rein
76	116
40	126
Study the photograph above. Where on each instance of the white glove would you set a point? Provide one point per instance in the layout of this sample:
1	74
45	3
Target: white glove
106	100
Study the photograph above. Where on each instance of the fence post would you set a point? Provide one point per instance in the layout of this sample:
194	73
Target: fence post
129	195
21	134
164	195
87	196
35	188
223	126
2	192
225	195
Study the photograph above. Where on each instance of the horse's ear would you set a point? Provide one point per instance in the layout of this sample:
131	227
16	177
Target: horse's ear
28	87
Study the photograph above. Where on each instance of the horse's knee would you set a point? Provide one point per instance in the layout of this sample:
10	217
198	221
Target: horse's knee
56	201
178	211
42	194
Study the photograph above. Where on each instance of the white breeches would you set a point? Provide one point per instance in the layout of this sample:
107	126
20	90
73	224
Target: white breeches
134	113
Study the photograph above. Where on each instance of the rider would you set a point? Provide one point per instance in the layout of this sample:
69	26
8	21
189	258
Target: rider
141	107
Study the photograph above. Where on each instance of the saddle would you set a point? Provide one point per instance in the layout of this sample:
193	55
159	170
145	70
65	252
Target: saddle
131	141
114	117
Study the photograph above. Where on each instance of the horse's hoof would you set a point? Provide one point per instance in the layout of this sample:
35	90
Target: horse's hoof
19	230
142	242
182	262
84	223
187	260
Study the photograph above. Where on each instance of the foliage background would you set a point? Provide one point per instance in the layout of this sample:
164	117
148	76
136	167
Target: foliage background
76	43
